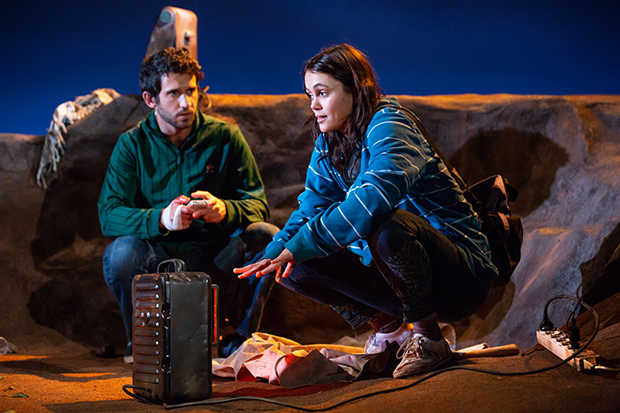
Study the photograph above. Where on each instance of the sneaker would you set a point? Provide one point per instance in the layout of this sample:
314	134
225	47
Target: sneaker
128	358
106	352
378	342
420	354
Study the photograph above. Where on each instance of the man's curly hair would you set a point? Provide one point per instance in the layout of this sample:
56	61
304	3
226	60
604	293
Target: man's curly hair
170	60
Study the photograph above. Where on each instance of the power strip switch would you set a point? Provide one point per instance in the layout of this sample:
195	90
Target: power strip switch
557	342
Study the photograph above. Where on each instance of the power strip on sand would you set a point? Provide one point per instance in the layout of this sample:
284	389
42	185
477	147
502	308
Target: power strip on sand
557	342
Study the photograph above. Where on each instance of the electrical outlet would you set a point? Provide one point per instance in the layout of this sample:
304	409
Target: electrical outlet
558	343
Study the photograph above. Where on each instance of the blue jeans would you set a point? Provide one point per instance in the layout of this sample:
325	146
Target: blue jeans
128	256
417	271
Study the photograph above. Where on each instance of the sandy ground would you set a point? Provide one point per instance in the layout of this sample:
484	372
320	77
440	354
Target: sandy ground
67	377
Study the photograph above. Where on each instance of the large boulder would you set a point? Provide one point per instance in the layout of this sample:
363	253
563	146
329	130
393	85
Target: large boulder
561	152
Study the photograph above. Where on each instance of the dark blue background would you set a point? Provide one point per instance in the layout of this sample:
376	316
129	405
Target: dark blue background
53	51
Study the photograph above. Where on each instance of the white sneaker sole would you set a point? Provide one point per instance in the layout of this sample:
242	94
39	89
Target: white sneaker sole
421	368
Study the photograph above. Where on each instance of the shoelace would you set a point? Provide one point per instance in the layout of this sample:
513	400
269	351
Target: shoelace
411	345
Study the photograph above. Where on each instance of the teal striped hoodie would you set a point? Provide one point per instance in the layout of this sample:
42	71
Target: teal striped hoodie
398	170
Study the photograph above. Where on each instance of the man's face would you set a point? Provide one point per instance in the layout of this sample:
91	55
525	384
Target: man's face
176	105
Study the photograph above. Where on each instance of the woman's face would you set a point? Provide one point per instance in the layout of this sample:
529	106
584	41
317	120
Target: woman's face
330	103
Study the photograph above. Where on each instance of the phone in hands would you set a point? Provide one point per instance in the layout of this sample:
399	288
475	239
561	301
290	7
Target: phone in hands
198	202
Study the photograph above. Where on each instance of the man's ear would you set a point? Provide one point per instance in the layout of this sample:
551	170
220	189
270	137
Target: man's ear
149	100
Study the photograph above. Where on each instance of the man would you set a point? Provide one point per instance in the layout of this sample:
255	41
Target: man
173	156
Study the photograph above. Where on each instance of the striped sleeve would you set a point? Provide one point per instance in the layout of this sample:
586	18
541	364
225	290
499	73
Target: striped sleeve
320	192
396	159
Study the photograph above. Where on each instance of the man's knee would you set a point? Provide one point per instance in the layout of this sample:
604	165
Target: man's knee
257	235
122	256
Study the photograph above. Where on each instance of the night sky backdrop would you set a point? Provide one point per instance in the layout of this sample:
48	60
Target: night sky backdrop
53	51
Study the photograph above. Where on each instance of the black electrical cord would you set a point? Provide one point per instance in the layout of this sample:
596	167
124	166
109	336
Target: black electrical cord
137	396
407	386
578	305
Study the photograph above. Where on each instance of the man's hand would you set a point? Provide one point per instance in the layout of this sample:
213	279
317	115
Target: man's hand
173	218
267	266
213	212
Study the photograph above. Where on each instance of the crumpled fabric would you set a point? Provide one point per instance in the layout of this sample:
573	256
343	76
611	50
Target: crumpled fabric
282	361
66	114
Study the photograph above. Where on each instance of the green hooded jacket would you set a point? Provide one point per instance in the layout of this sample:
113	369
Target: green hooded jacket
146	172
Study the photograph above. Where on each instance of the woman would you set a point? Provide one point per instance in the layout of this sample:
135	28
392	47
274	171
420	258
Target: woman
383	233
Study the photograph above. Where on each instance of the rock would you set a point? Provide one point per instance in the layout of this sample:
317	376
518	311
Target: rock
561	152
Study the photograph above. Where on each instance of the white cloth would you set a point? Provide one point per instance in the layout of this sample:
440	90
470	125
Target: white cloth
269	357
285	362
66	114
170	221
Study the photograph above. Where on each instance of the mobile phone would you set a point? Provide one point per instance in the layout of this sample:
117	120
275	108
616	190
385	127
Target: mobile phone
197	202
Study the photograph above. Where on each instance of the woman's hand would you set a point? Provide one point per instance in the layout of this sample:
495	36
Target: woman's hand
267	266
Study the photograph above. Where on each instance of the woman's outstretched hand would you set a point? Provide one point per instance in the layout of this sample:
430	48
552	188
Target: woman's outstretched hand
267	266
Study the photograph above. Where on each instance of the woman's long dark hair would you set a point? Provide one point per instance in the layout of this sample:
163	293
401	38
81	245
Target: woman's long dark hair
350	67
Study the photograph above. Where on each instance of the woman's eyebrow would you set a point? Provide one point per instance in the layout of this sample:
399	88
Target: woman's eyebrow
319	85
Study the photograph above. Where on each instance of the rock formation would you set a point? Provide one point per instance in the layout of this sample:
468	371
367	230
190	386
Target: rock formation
561	152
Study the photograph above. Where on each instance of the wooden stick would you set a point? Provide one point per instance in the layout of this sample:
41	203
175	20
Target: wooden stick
507	350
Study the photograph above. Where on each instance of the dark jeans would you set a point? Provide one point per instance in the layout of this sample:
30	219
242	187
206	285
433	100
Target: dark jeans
418	271
128	256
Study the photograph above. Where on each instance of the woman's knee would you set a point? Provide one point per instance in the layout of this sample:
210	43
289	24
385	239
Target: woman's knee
401	229
301	276
396	223
391	241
